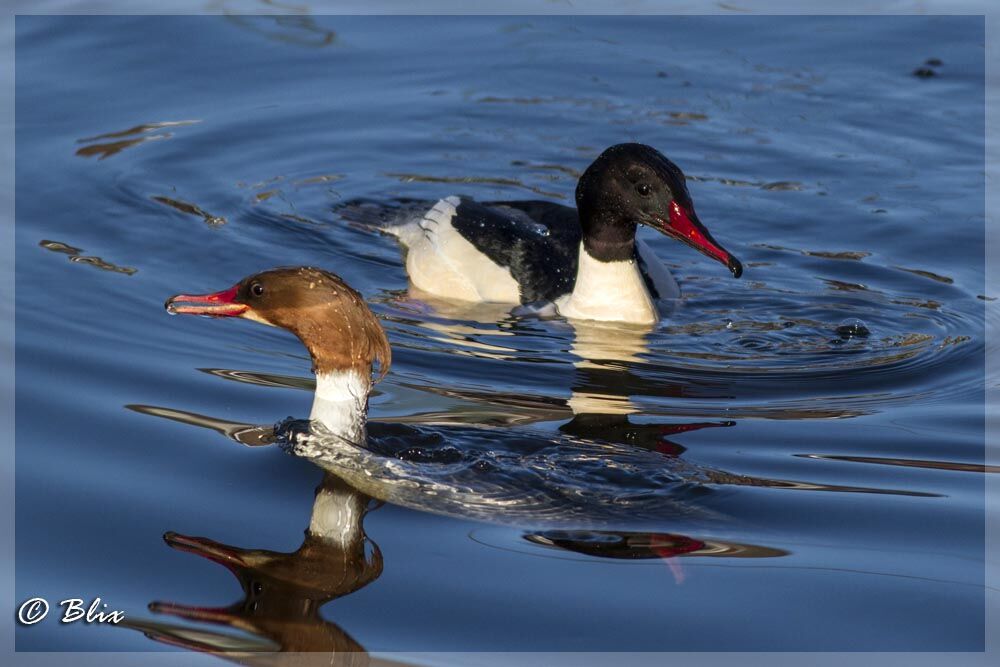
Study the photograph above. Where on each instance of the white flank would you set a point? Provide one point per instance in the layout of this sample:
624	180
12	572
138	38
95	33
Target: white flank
608	291
340	404
441	262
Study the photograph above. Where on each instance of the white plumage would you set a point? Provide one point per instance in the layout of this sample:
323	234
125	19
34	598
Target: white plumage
441	262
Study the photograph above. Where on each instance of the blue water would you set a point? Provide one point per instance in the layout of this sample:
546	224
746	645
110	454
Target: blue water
843	503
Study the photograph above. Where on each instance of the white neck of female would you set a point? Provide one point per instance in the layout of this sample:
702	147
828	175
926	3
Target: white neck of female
340	404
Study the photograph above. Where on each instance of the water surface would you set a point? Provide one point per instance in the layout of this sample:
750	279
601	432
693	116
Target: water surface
804	445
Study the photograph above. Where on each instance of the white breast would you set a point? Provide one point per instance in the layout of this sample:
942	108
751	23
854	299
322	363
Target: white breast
608	291
440	261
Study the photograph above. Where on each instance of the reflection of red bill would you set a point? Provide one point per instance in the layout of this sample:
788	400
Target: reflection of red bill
206	548
685	226
191	613
672	448
668	547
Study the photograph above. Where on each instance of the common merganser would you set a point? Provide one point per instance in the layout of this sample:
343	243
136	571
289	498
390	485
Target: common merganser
493	476
586	261
346	341
342	335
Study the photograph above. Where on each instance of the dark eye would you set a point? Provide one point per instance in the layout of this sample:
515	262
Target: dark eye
257	289
644	189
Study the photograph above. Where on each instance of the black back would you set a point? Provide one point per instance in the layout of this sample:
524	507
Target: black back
537	241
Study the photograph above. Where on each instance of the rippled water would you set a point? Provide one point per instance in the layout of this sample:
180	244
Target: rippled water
790	461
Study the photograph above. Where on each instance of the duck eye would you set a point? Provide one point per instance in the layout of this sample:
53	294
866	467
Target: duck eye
257	289
644	189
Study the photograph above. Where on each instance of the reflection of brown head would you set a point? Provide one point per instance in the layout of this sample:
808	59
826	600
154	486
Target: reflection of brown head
283	592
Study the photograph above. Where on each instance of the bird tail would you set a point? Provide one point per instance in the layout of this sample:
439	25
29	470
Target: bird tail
392	217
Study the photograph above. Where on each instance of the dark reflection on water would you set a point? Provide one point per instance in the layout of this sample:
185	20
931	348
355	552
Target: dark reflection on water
245	434
638	546
191	209
290	24
811	432
910	463
283	592
76	256
137	135
262	379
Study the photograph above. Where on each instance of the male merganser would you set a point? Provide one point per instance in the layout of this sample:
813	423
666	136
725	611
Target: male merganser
586	262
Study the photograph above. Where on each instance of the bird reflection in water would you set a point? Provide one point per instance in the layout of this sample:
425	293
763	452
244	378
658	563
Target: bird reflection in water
603	382
634	546
599	407
282	592
278	620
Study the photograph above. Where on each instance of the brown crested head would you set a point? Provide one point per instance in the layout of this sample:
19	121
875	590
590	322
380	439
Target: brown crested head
330	318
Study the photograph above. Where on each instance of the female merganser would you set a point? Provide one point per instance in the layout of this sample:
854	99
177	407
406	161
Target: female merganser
494	476
586	262
424	471
343	336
